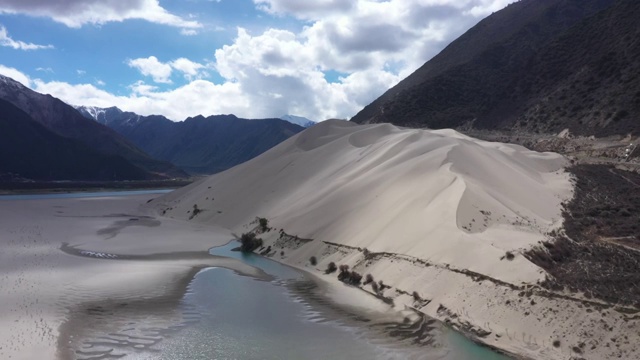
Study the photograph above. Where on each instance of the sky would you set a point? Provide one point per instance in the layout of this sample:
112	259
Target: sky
319	59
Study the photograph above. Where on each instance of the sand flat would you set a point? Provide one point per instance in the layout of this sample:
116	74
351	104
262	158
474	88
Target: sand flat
43	288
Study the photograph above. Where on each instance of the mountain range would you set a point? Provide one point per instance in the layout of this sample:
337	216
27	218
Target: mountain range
63	120
537	66
199	145
44	138
30	150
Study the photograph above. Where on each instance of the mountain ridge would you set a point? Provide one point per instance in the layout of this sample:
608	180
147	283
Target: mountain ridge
65	121
199	145
538	79
28	150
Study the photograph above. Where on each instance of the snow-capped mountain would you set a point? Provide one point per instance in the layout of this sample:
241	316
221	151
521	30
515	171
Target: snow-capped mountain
198	145
58	119
111	117
298	120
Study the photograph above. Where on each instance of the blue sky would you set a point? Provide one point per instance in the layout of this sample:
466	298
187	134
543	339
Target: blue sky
254	58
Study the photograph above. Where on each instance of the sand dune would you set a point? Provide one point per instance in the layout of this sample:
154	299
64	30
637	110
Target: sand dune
435	195
430	212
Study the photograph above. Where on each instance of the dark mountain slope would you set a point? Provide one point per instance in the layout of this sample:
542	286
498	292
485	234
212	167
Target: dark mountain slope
198	145
65	121
30	150
507	82
586	80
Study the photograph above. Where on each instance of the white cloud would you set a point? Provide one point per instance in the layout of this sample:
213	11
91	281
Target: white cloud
195	98
191	70
7	41
76	13
46	70
189	32
161	72
16	75
372	43
151	66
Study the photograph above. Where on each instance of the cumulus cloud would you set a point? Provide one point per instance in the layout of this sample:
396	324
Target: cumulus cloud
76	13
190	69
6	40
197	97
161	72
305	9
372	44
16	75
151	66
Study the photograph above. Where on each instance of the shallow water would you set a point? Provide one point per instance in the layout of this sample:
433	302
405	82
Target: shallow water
79	195
288	328
225	315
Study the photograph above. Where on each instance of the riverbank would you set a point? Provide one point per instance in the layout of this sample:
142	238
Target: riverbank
103	277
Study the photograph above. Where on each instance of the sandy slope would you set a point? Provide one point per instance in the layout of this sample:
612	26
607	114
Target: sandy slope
436	211
435	195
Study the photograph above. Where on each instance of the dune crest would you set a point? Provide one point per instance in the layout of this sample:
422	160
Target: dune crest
434	195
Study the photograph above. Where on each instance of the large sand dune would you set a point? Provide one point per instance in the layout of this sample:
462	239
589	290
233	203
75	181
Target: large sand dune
434	195
432	212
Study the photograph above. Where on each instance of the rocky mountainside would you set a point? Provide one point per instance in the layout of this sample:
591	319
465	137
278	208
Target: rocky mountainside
198	145
65	121
537	66
30	150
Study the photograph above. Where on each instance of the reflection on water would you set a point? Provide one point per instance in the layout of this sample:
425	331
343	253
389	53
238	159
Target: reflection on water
249	319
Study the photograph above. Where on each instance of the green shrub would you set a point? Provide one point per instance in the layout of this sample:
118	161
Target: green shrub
264	224
368	279
249	242
375	287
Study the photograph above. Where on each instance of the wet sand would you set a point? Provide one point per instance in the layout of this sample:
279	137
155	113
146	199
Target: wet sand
60	271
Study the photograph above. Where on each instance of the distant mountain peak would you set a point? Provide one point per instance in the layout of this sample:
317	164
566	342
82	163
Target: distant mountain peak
106	115
298	120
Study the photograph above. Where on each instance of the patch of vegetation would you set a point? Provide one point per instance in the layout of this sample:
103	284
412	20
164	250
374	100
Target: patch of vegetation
313	261
368	279
249	242
195	211
375	287
349	277
331	268
602	223
264	224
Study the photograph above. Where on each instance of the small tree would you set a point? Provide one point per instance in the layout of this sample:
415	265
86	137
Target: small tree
249	242
368	279
313	260
375	287
264	224
331	267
